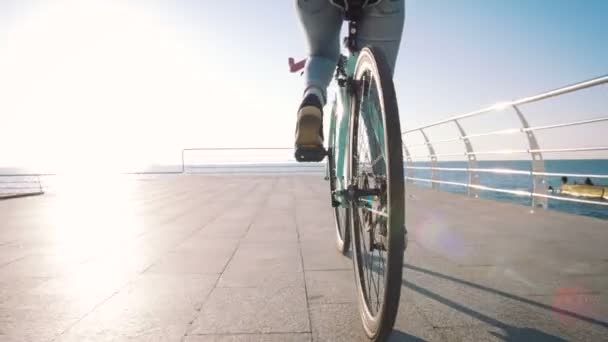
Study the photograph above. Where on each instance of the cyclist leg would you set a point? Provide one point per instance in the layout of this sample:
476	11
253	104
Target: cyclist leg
382	26
321	22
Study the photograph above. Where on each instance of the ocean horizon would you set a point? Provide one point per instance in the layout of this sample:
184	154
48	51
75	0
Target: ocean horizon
19	182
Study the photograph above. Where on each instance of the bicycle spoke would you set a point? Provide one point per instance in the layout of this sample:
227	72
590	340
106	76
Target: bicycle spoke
370	154
365	247
380	213
375	177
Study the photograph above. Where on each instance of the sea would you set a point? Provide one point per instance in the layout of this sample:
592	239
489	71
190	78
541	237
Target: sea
14	181
524	182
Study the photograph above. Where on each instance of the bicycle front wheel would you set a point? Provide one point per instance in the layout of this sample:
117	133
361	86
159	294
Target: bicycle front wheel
378	210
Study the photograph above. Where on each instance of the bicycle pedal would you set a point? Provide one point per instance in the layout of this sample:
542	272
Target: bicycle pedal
380	245
310	154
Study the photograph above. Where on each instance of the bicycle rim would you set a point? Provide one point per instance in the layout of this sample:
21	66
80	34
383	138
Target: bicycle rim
376	163
341	215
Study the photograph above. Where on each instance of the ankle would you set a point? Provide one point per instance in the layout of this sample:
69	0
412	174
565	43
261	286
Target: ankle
317	92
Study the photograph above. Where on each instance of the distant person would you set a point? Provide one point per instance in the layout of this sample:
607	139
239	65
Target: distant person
564	180
381	25
588	181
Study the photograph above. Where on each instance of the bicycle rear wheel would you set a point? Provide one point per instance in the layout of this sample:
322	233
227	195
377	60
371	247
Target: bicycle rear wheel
378	210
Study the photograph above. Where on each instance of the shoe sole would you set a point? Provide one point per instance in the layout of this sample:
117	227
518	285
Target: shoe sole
310	121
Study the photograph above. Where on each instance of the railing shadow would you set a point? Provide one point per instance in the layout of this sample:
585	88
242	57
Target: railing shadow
509	296
510	333
400	336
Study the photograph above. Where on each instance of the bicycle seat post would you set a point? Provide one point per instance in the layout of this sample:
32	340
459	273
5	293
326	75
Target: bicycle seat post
352	15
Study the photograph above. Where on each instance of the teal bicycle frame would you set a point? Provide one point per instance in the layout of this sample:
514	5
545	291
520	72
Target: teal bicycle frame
339	128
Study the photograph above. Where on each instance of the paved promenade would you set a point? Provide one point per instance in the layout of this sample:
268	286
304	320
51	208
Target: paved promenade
252	258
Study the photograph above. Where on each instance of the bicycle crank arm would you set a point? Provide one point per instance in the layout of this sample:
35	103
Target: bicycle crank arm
353	194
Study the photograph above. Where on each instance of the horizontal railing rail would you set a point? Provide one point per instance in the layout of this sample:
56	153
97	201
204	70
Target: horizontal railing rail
226	157
540	191
17	185
526	100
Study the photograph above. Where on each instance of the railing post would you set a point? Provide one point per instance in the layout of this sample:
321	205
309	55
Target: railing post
434	173
39	184
473	176
408	157
539	183
183	164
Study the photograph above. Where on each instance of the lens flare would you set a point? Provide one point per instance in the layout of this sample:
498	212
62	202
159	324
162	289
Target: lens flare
436	235
574	299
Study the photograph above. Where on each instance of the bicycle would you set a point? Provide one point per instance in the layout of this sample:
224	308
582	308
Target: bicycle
365	172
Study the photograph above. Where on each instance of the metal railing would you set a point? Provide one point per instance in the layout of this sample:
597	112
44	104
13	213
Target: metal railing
539	193
245	159
20	185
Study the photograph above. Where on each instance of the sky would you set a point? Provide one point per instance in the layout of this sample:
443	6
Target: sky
124	83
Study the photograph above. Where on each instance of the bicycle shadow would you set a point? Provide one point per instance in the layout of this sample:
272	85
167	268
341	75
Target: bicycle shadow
510	296
510	333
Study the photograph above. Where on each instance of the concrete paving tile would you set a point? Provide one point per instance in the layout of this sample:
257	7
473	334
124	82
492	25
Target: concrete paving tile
563	325
26	326
222	229
274	218
511	281
452	307
245	214
255	278
11	253
489	333
323	217
323	255
456	308
153	307
272	230
528	277
269	236
253	310
137	331
39	265
57	303
118	265
301	337
40	306
412	325
336	322
200	262
206	245
283	257
5	338
342	322
315	232
10	286
570	306
331	287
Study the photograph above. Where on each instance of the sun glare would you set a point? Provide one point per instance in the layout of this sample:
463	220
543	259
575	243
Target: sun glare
80	230
99	85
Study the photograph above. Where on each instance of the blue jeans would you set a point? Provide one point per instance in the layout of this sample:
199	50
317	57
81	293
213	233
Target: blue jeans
381	26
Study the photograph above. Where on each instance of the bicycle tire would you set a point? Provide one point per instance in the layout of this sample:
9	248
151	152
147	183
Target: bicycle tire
377	317
341	215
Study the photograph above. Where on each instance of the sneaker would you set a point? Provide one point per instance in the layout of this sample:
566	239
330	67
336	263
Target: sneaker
309	129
